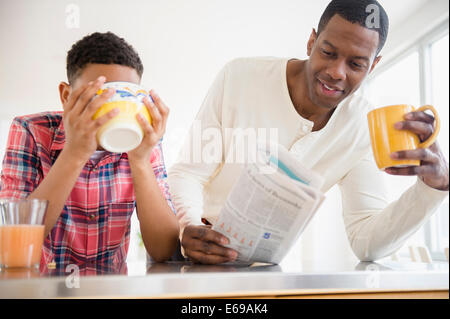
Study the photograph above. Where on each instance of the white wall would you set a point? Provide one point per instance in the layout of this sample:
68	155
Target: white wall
182	44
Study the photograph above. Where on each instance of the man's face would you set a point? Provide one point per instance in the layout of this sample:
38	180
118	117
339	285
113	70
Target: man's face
340	59
112	72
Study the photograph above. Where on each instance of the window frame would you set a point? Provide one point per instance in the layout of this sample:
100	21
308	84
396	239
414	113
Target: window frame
423	46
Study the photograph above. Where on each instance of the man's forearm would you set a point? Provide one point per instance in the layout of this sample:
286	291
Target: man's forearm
374	234
57	185
159	227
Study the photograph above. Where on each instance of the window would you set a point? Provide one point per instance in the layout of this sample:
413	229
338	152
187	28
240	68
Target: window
391	85
440	98
418	76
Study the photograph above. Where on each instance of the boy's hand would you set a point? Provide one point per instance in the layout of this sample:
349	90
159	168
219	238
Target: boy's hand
80	128
159	113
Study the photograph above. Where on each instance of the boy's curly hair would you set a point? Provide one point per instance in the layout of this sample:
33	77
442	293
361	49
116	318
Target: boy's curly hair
102	48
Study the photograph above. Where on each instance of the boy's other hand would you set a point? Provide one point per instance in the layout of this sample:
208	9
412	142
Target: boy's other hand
80	128
159	113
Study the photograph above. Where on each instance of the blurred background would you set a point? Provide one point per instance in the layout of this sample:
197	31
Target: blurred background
183	44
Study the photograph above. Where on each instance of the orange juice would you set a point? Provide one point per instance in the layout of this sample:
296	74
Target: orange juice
20	245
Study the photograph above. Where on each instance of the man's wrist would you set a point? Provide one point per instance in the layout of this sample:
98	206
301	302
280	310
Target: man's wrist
444	186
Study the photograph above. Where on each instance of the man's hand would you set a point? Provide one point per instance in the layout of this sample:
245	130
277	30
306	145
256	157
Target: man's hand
159	113
80	128
204	245
433	169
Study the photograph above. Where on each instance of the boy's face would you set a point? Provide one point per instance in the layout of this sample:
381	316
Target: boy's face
112	72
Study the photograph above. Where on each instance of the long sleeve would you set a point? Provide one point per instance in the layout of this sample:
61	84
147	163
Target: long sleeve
159	168
376	228
20	171
193	169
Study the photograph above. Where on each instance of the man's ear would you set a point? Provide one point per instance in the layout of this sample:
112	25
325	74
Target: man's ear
311	41
375	62
64	91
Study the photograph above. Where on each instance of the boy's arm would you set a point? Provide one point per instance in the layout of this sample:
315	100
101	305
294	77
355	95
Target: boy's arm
158	223
159	227
57	185
21	173
80	143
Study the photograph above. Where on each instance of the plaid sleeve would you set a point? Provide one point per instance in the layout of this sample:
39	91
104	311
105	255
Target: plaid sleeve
159	168
20	174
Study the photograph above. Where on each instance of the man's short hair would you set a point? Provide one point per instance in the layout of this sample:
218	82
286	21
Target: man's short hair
101	48
358	11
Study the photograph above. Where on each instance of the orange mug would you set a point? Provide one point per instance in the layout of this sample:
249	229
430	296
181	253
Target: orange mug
386	139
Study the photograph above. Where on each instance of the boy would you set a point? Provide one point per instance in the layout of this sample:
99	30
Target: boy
92	193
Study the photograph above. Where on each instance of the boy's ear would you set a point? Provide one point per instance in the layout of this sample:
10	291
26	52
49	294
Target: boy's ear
64	91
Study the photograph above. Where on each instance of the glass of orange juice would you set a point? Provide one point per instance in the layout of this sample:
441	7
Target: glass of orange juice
21	232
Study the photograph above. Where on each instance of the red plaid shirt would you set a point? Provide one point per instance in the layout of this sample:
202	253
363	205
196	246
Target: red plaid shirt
94	225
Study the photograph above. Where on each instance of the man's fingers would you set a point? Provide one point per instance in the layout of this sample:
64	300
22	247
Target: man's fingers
211	248
422	129
203	258
203	244
419	123
205	233
423	170
422	154
419	116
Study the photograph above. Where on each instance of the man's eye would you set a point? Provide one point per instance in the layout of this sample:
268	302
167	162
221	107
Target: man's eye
357	65
326	52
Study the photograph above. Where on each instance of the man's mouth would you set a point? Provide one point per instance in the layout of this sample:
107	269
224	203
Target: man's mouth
330	90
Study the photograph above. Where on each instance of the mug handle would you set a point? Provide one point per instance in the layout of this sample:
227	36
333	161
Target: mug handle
437	126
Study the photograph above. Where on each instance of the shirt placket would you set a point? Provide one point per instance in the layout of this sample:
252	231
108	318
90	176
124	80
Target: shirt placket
92	204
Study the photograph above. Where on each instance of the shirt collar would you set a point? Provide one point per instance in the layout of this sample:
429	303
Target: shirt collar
58	138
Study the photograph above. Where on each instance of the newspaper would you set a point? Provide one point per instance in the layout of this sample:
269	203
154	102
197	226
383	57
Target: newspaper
269	206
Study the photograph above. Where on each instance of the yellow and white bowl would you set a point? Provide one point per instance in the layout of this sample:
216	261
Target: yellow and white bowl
122	133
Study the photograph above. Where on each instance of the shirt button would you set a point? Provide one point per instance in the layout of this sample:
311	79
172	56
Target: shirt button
91	217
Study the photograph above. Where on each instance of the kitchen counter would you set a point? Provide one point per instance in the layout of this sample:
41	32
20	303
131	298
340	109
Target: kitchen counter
391	279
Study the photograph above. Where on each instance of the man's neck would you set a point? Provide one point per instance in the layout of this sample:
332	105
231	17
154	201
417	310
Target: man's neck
298	91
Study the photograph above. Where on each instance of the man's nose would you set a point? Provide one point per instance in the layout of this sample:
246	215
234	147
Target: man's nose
337	70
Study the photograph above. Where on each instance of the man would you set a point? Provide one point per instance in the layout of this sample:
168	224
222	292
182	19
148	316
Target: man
322	121
92	193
